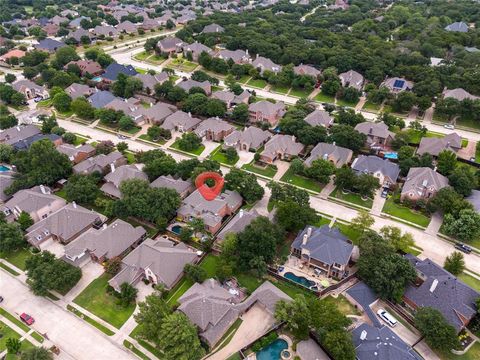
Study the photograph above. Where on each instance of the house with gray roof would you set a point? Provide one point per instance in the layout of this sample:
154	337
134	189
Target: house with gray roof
212	28
170	45
473	199
113	70
396	84
6	179
459	94
49	45
384	170
239	222
337	155
86	67
63	225
78	34
189	83
435	287
156	114
422	183
76	154
458	26
434	145
100	99
104	243
182	187
105	31
101	163
159	261
363	297
149	81
127	27
352	79
224	95
266	111
238	56
214	129
196	49
249	139
323	248
26	143
77	90
265	64
30	89
17	134
319	118
282	147
180	121
378	135
380	343
307	70
114	179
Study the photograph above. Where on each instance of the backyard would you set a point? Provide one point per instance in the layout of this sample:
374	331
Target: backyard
301	181
268	171
354	199
405	213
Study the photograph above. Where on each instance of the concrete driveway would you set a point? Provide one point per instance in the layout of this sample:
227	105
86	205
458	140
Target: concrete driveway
90	272
378	203
245	157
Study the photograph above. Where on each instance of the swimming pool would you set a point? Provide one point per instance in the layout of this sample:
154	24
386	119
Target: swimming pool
4	168
176	229
390	155
299	280
272	351
97	79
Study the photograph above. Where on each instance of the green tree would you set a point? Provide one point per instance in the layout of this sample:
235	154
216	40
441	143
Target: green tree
13	345
446	162
284	192
113	266
454	263
11	237
66	54
345	178
296	316
82	189
245	184
8	121
62	102
464	227
82	108
48	123
464	180
294	217
36	353
189	142
127	295
362	222
195	273
395	237
240	113
126	123
231	154
6	153
438	333
346	136
339	344
24	220
320	170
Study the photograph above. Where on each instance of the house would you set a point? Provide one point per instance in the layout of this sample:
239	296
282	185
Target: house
396	85
239	222
149	81
180	121
214	129
130	107
77	90
459	94
51	29
422	183
363	297
30	89
158	261
189	84
435	287
57	20
112	71
38	202
249	139
196	49
105	31
319	118
101	163
237	56
100	99
264	64
170	45
224	95
337	155
182	187
243	98
307	70
49	45
105	243
457	27
76	154
213	308
87	67
212	28
266	111
63	225
434	146
14	53
76	23
26	143
353	79
283	147
156	114
212	212
114	179
323	248
17	134
473	199
79	34
127	27
378	135
380	343
6	179
384	170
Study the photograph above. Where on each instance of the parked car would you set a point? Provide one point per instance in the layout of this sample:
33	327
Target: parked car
27	319
387	317
449	126
1	299
464	248
384	193
38	99
121	137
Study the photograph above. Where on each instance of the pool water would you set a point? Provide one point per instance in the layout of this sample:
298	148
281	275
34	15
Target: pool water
299	279
272	351
176	229
390	155
97	79
4	168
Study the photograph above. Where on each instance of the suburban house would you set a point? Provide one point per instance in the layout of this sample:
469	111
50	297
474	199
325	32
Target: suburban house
352	79
396	84
127	27
114	179
238	223
189	84
170	45
214	129
26	143
323	248
386	171
249	139
101	163
30	89
282	147
78	34
319	118
230	99
113	70
213	308
17	134
105	31
180	121
14	53
159	261
38	202
196	49
130	107
473	199
435	287
76	154
49	45
211	212
105	243
306	70
149	81
182	187
63	225
266	111
87	67
457	27
459	94
337	155
422	183
363	297
77	90
212	28
100	99
237	56
6	179
156	114
434	146
378	135
264	64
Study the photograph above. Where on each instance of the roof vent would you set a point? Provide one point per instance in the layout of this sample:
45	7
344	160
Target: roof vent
434	285
363	335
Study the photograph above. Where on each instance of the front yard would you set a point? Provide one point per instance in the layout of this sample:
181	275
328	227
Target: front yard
323	98
148	138
352	198
405	213
301	181
258	83
472	354
268	171
6	332
301	93
17	257
219	155
474	283
195	152
372	107
183	65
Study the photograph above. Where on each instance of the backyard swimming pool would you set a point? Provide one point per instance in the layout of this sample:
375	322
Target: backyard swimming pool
176	229
4	168
299	280
390	155
272	351
97	79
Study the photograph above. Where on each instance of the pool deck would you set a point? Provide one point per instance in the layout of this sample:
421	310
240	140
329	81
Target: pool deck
294	266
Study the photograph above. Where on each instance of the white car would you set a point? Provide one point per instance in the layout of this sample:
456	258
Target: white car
449	126
387	317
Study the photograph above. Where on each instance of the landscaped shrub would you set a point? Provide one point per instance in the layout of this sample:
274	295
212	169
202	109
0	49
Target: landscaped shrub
265	341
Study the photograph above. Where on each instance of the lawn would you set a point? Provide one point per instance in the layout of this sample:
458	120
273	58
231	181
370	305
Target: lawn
301	181
133	349
280	89
8	269
17	258
405	213
142	56
369	106
148	138
130	157
196	152
351	198
468	123
290	289
96	300
219	155
14	320
341	102
472	354
243	79
141	71
6	332
183	65
343	305
323	98
464	143
477	156
268	171
258	83
79	140
349	232
89	320
301	93
155	59
416	135
470	281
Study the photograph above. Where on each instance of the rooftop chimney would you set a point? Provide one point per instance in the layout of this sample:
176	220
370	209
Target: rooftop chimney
112	167
363	335
305	239
43	190
434	285
74	204
240	213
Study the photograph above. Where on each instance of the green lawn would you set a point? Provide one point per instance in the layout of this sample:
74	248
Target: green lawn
349	232
464	143
352	198
142	56
243	79
290	289
79	140
258	83
405	213
470	281
472	354
141	71
196	152
343	305
280	89
369	106
323	98
183	65
235	356
89	320
130	157
468	123
17	258
301	93
155	59
416	135
133	349
8	269
6	332
341	102
96	300
301	181
477	156
14	320
148	138
219	155
269	171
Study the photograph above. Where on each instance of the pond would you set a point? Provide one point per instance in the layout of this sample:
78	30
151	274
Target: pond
272	351
299	280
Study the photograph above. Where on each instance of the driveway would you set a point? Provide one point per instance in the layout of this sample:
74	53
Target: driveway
209	147
90	272
468	151
282	169
245	157
378	203
54	247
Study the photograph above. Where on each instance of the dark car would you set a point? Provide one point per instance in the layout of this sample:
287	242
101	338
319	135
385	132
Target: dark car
27	319
384	193
1	299
464	248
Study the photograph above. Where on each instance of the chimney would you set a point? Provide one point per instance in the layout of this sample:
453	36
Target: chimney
434	285
74	204
309	231
246	52
18	128
104	226
240	213
363	335
112	167
189	114
334	143
293	137
43	190
305	239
